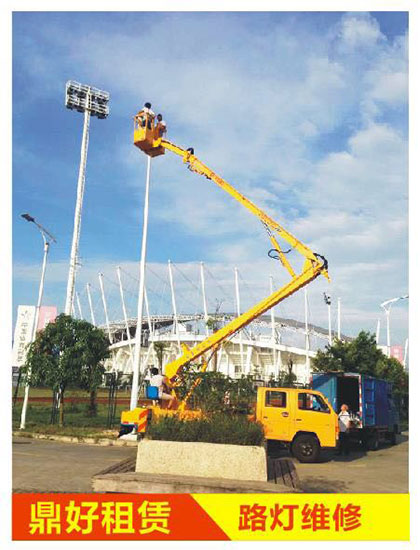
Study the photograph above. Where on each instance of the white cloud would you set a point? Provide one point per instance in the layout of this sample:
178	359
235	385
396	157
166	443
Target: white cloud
359	31
255	115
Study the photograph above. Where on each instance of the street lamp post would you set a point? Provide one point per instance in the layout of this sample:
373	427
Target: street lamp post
91	102
327	300
386	306
47	239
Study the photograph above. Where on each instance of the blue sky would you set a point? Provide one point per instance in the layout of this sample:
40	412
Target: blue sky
306	113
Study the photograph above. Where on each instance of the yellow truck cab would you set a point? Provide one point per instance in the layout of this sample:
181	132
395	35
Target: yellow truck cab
301	418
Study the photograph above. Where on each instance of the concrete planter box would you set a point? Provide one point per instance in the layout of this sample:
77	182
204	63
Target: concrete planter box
205	460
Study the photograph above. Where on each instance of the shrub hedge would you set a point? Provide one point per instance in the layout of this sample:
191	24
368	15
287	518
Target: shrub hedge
217	428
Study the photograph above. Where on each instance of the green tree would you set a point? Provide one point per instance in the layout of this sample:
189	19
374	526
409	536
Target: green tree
359	355
95	348
68	351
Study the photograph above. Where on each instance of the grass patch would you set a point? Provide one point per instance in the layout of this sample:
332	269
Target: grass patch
76	419
217	428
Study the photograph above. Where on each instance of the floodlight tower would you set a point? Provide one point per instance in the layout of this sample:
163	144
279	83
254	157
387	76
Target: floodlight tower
386	306
91	102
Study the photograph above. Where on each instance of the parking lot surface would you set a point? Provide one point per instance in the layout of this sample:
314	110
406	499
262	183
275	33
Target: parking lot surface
381	471
51	466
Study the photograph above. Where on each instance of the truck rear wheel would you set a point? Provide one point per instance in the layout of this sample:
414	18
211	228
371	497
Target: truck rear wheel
373	442
392	436
306	448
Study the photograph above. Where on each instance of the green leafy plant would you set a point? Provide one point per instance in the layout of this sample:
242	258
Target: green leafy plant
217	392
224	428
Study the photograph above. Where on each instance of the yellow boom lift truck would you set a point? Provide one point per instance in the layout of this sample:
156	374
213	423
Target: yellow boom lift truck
300	418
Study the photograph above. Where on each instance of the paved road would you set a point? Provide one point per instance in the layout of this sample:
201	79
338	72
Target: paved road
40	465
52	466
382	471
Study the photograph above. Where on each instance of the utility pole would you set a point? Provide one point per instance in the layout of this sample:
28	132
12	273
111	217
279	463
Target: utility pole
92	315
142	278
92	102
47	239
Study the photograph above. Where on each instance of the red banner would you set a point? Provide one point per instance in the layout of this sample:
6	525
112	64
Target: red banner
47	314
85	516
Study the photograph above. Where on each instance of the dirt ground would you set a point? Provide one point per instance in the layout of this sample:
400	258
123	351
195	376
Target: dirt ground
51	466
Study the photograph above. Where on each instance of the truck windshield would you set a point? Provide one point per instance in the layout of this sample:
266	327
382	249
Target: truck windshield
312	402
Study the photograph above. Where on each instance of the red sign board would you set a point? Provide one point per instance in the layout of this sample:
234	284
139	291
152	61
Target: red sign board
47	314
397	353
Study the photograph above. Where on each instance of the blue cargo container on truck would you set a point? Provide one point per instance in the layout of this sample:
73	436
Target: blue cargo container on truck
373	413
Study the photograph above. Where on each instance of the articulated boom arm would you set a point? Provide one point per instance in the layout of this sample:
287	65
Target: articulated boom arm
174	368
147	139
195	165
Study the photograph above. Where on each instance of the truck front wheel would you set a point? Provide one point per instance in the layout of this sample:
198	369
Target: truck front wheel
306	448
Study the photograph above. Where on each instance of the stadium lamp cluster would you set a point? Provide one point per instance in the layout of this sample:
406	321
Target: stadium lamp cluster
87	98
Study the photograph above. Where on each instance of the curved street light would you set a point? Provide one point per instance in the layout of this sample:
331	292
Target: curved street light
386	306
48	238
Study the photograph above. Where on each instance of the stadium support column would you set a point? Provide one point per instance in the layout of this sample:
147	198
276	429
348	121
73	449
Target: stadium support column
79	307
307	363
176	326
203	291
137	347
378	330
92	315
101	284
273	331
238	312
339	318
127	328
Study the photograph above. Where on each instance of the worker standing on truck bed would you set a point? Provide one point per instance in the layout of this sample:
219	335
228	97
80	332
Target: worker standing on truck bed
344	425
161	382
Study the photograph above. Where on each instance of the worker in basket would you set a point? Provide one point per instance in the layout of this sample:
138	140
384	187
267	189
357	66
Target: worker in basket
161	382
147	115
160	126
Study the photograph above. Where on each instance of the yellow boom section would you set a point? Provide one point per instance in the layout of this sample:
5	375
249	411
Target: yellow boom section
199	167
173	369
147	137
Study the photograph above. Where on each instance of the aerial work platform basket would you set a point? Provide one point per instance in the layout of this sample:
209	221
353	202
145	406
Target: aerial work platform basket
147	134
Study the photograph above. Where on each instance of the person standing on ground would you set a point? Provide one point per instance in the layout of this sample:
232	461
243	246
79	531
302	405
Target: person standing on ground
344	425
